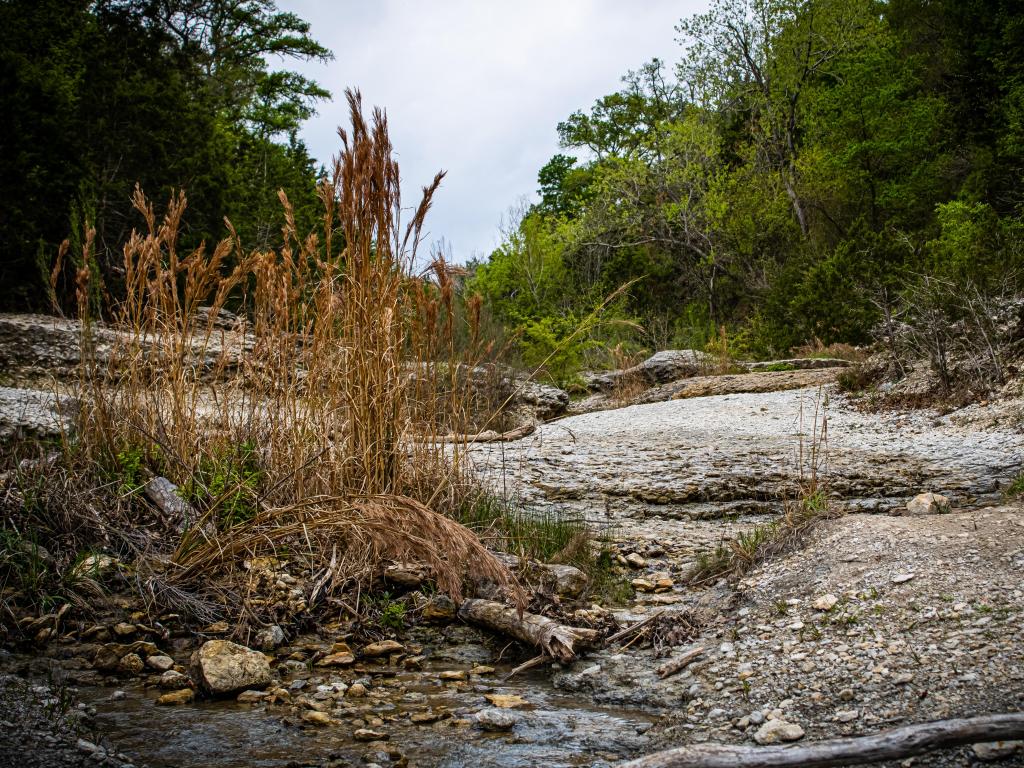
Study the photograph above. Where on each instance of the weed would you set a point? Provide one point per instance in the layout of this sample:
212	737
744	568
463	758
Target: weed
779	367
781	607
1015	489
388	612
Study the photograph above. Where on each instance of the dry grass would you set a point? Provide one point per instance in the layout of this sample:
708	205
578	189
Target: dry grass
294	426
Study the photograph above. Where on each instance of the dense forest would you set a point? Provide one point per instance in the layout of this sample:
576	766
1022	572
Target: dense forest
808	171
168	94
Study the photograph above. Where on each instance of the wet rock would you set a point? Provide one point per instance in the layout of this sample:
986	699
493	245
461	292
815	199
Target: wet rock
337	660
356	691
453	674
270	638
315	717
251	697
439	609
506	701
382	648
221	667
173	680
495	719
174	698
928	504
131	664
778	730
430	716
159	662
368	734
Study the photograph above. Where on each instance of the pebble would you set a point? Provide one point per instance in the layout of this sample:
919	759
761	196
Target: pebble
495	719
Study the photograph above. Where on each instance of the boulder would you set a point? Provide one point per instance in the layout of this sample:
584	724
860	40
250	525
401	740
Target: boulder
928	504
221	668
495	719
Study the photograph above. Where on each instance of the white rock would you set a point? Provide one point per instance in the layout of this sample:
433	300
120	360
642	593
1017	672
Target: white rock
928	504
996	750
160	662
774	731
221	667
495	719
825	603
902	578
270	637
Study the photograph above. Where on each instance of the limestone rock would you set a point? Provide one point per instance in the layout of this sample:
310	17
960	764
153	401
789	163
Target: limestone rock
775	731
182	696
367	734
221	667
382	648
825	603
160	662
173	680
928	504
270	638
997	750
495	719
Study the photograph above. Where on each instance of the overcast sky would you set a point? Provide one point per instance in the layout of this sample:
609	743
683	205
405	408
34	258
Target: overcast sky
476	88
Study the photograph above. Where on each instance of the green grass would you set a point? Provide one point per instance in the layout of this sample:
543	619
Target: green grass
778	367
1015	489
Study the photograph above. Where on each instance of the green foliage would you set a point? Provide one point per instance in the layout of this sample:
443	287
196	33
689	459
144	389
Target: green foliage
388	612
179	94
808	162
227	482
1015	489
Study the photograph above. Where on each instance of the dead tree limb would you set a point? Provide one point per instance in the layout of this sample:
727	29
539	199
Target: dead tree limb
164	494
672	666
893	744
556	640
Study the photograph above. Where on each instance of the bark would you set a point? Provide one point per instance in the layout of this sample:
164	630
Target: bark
558	641
893	744
679	663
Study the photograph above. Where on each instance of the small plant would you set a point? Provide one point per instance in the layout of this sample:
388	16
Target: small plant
1015	489
779	367
388	612
781	607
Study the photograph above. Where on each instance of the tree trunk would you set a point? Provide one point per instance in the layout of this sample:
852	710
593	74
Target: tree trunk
556	640
893	744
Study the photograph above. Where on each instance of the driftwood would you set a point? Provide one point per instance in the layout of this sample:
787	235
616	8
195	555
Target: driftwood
556	640
672	666
632	628
893	744
491	436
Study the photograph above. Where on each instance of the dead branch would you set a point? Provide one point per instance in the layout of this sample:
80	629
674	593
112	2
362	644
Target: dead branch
893	744
550	637
672	666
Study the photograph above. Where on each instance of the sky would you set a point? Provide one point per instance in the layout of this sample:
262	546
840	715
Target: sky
477	88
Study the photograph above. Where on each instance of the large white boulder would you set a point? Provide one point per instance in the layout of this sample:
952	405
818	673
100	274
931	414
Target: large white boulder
221	667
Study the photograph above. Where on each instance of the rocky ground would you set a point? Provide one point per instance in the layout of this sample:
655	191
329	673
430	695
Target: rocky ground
879	618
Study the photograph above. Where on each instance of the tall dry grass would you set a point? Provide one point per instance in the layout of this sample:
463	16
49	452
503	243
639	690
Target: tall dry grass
313	415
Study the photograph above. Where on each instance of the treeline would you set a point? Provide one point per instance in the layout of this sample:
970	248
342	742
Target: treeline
97	96
797	176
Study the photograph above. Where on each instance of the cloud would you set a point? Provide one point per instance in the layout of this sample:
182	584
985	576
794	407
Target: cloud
477	87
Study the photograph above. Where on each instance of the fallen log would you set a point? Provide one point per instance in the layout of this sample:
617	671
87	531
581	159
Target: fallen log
558	641
164	494
893	744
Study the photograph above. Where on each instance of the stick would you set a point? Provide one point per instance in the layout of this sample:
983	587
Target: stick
888	745
632	628
536	661
672	666
550	637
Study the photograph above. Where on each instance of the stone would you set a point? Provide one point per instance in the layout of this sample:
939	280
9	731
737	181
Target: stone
131	664
495	719
368	734
997	750
313	717
337	660
928	504
96	566
430	716
847	715
356	691
635	560
221	667
825	603
642	585
481	669
382	648
173	680
270	638
506	701
439	609
453	674
174	698
778	730
902	578
123	629
160	662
